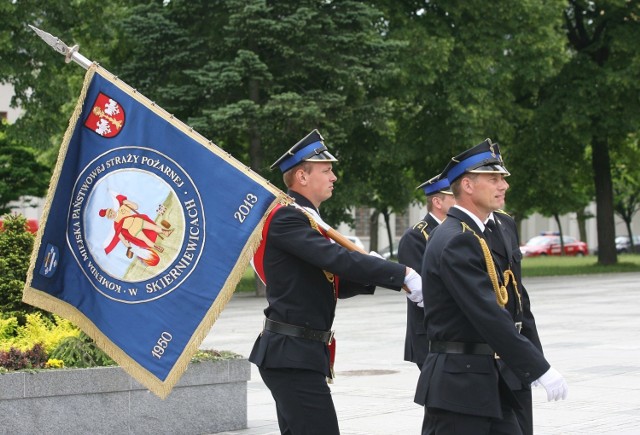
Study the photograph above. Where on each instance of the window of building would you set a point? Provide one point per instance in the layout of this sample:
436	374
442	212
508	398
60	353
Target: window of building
402	223
363	222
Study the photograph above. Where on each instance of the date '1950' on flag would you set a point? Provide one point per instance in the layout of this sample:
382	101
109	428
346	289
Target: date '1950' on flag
146	230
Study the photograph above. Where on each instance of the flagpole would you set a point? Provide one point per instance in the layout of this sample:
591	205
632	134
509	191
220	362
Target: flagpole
72	54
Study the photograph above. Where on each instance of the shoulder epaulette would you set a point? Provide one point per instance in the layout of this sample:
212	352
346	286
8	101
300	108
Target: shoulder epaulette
422	227
502	212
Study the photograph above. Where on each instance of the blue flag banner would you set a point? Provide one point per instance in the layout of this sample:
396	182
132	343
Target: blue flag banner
146	231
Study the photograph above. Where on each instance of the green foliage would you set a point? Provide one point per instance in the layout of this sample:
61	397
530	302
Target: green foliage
8	328
586	106
256	76
37	329
472	70
80	351
560	266
46	88
16	244
247	283
20	173
213	355
626	180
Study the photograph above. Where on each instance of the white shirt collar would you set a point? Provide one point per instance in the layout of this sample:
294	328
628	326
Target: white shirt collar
491	218
434	216
473	216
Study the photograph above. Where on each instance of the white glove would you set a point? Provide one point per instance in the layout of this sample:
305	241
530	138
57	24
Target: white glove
554	383
375	254
413	283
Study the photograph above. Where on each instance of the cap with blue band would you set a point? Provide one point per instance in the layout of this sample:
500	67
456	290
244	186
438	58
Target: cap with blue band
301	155
482	158
437	184
309	149
470	162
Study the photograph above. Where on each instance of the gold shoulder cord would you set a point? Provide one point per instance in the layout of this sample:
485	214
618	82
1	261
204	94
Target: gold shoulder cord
422	227
329	275
502	296
508	274
424	232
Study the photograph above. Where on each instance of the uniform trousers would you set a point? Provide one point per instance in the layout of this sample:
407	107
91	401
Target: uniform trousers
303	401
441	422
525	415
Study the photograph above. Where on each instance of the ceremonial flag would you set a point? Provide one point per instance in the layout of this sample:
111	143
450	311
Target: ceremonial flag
146	230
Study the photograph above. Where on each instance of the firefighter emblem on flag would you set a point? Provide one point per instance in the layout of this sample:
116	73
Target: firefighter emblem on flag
106	117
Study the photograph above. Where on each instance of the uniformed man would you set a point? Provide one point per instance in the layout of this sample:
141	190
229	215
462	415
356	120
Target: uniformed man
410	252
305	273
470	329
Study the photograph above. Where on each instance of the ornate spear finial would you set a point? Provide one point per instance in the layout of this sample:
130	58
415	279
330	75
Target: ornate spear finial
70	53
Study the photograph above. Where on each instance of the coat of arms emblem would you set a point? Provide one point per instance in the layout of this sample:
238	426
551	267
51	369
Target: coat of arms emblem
106	118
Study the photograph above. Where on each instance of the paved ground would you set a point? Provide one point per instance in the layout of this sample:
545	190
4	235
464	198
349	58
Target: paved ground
589	326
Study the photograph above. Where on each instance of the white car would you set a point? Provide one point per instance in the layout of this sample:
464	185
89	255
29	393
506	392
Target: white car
386	253
356	241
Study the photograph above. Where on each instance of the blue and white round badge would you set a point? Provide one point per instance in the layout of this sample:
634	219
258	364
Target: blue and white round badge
136	224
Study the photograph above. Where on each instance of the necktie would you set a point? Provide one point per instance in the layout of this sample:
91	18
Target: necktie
495	243
491	234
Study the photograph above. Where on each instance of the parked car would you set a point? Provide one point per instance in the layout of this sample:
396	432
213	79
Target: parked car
32	225
623	244
549	244
356	241
386	253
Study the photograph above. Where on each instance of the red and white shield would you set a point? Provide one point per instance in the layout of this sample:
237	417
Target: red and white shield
106	117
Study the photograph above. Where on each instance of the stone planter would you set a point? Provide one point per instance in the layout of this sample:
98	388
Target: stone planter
210	397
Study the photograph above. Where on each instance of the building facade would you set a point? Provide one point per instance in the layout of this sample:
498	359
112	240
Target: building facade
6	111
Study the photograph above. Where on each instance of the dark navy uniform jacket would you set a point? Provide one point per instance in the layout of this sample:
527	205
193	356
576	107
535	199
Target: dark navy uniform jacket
460	305
410	252
299	292
508	256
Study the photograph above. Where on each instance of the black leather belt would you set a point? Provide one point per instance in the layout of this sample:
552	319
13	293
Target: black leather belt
459	347
298	331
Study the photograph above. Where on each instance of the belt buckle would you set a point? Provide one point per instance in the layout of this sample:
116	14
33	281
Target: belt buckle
331	334
518	326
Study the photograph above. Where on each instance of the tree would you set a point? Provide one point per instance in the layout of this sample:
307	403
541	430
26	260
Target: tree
591	95
555	179
20	173
473	70
381	168
16	244
46	89
626	183
256	76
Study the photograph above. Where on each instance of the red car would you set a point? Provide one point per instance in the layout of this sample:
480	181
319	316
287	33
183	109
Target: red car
549	244
32	225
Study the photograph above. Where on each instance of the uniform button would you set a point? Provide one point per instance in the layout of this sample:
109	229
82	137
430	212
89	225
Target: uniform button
468	366
527	374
